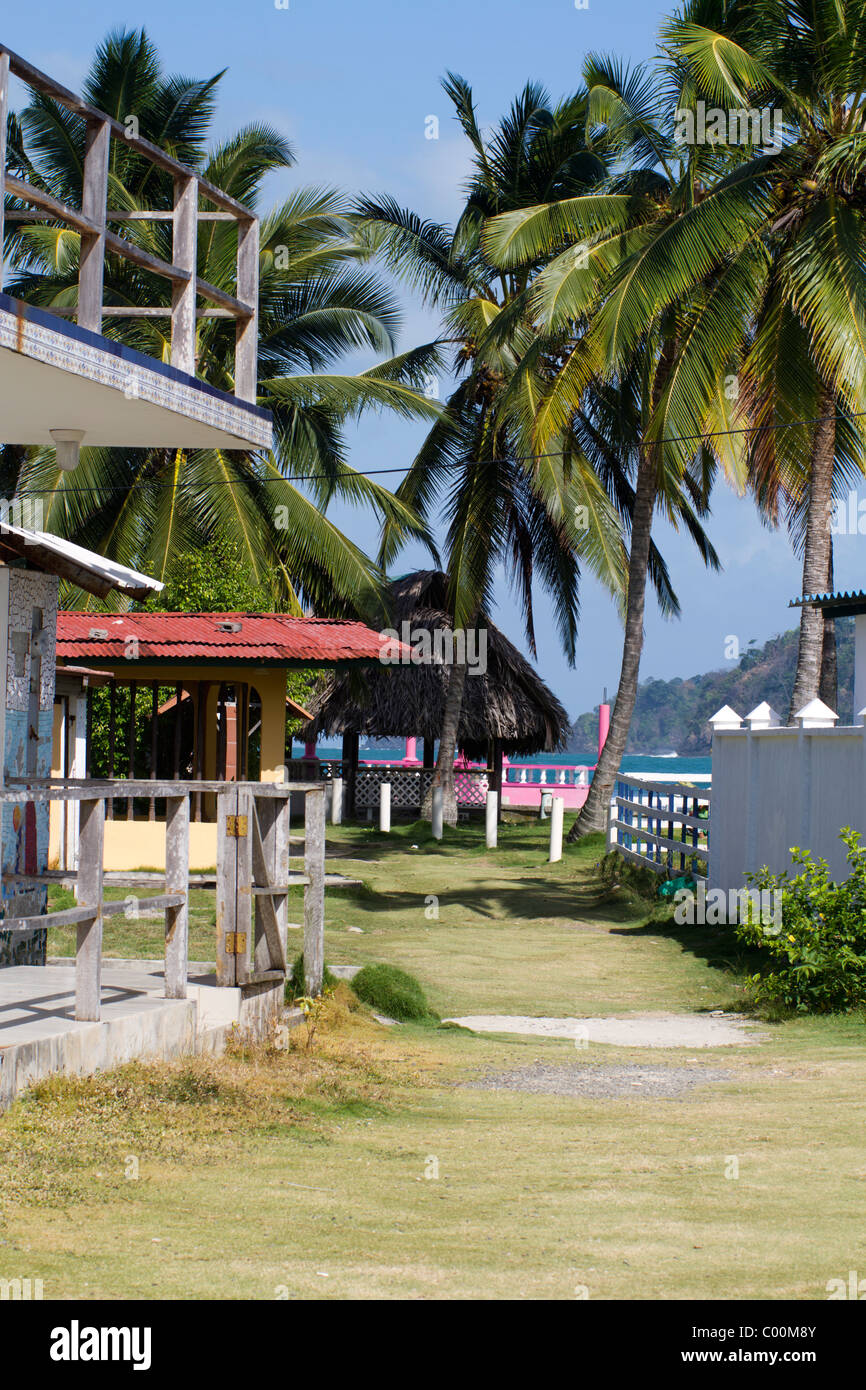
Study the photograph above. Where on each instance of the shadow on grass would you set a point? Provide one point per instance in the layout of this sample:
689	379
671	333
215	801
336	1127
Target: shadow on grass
716	946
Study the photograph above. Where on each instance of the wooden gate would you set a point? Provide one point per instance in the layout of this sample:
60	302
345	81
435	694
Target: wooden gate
253	881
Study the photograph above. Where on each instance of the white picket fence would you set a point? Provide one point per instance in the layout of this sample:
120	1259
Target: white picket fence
662	825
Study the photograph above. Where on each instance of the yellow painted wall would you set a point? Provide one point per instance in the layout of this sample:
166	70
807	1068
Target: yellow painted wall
140	844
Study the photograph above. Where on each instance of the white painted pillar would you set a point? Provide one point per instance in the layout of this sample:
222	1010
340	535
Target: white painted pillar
492	819
385	806
436	816
556	820
337	801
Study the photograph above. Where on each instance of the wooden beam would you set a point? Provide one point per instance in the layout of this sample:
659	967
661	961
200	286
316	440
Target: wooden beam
138	215
242	309
247	329
41	82
119	246
4	111
93	203
136	311
51	207
184	251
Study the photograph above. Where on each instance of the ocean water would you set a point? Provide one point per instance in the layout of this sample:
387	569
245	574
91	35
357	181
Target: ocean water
632	762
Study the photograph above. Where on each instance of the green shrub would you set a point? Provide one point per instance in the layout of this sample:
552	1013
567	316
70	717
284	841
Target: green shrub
816	958
392	992
296	984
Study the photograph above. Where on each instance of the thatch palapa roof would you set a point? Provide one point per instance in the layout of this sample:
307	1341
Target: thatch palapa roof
509	701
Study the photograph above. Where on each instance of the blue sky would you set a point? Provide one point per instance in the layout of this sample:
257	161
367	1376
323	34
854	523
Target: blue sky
351	85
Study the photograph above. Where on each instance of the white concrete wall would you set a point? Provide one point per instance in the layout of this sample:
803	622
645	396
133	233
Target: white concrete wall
777	788
859	665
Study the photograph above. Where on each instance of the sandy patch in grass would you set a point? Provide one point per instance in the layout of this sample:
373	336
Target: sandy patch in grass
638	1030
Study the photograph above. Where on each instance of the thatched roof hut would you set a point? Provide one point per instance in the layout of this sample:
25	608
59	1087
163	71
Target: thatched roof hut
509	703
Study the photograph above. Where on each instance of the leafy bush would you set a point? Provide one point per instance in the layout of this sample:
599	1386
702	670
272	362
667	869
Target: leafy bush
296	983
816	959
392	992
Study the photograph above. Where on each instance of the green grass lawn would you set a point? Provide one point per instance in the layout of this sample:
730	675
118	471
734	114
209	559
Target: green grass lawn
284	1174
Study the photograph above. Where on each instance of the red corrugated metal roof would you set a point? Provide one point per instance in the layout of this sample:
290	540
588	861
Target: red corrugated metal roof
200	636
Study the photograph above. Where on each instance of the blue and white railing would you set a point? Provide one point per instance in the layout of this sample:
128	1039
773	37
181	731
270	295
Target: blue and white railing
662	825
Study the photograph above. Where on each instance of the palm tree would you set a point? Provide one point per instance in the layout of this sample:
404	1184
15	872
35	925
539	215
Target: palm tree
618	340
797	258
318	302
537	518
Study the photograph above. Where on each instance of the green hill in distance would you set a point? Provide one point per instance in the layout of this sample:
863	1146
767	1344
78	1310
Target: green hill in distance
671	716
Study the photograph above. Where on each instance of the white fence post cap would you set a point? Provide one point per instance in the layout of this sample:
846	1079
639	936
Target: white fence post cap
816	715
860	716
763	716
726	718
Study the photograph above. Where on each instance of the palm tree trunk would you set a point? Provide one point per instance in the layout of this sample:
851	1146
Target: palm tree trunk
443	775
593	815
816	557
829	670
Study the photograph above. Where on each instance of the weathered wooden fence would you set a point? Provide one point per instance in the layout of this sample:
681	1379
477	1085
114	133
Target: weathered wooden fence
663	825
94	219
252	881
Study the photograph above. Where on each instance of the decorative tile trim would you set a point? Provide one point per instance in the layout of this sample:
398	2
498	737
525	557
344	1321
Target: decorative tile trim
40	335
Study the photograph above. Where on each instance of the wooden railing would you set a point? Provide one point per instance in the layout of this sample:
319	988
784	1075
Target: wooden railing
91	222
252	881
663	825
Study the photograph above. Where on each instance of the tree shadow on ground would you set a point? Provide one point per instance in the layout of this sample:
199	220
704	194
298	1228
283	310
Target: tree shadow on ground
527	898
716	946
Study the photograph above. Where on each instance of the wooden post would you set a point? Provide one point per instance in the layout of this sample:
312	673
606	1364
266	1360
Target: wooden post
130	769
184	254
244	917
226	889
221	740
93	205
247	328
385	807
4	109
154	745
178	728
88	892
177	881
273	817
314	892
351	742
112	731
200	710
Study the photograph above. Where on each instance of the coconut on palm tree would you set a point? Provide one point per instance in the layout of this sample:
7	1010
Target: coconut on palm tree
318	302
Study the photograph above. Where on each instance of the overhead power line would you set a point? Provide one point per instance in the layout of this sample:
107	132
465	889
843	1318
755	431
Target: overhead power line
700	438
